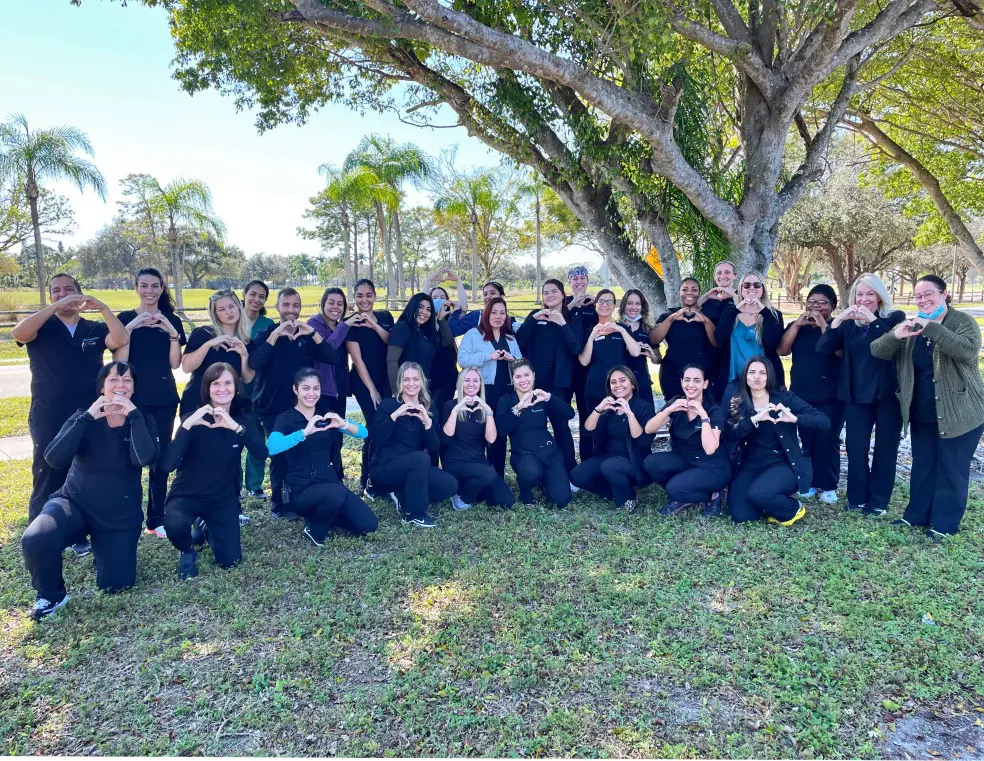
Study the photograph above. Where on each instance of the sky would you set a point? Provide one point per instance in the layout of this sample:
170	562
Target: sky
106	69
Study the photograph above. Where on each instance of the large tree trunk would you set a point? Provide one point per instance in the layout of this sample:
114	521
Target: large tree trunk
370	250
177	268
398	245
32	198
384	241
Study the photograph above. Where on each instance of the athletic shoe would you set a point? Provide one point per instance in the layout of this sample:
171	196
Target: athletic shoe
396	501
713	509
368	493
424	521
829	497
937	537
459	504
82	549
257	494
309	535
244	520
673	507
159	532
629	505
529	505
799	514
44	608
285	515
808	495
900	522
849	507
873	512
575	489
199	532
188	565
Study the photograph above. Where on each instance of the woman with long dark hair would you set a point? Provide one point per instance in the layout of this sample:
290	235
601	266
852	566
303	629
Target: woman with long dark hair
689	336
771	465
468	428
617	423
936	355
255	295
551	340
416	337
206	453
491	347
406	440
867	385
104	449
444	367
366	345
313	489
634	315
154	351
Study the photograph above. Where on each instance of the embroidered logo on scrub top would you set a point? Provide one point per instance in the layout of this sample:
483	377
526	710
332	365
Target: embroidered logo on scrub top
90	343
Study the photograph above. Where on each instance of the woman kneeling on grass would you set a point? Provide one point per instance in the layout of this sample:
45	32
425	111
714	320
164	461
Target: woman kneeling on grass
311	486
617	423
698	467
771	466
206	453
104	449
536	459
469	427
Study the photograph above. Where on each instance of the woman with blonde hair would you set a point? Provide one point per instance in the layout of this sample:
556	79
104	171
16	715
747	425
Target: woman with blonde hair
405	437
224	340
867	386
469	426
747	328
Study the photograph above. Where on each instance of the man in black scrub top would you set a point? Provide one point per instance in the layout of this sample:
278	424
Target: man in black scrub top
582	308
66	353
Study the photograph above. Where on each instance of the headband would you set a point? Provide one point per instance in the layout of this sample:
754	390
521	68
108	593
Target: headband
576	270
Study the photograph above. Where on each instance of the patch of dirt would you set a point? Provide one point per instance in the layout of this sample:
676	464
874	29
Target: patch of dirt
928	736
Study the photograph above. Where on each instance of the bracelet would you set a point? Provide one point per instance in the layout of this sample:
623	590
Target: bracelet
597	410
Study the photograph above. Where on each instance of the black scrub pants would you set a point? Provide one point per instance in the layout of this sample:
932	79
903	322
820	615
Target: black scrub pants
940	477
62	524
45	480
478	482
585	445
562	429
545	469
415	481
278	468
608	476
223	527
364	401
823	447
682	480
327	505
163	416
496	451
763	491
337	405
669	380
872	486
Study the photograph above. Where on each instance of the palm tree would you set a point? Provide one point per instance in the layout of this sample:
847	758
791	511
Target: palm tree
355	190
181	202
393	163
467	196
46	154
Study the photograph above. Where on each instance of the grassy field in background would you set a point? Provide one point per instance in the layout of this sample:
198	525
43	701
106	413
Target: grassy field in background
13	415
525	633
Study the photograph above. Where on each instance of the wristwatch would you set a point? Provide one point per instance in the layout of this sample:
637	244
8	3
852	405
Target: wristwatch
705	420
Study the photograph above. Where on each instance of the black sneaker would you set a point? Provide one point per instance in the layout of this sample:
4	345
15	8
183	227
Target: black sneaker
285	515
424	521
900	522
396	501
188	565
937	537
714	508
199	532
244	520
368	493
673	507
44	608
849	507
309	535
873	512
81	549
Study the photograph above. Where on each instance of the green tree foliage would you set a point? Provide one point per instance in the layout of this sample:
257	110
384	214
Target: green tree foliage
55	215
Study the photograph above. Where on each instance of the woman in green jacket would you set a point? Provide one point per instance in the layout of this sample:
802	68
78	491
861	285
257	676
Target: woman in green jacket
942	398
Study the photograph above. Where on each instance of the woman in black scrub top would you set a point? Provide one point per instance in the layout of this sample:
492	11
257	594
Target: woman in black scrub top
223	341
698	467
771	465
813	379
156	337
552	341
867	386
468	427
689	336
366	344
491	347
606	345
444	368
617	424
416	337
634	316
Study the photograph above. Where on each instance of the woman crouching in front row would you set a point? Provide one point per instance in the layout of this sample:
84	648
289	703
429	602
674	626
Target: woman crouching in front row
771	465
621	443
698	467
311	486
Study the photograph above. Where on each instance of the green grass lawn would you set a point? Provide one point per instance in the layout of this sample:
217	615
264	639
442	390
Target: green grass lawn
13	415
526	633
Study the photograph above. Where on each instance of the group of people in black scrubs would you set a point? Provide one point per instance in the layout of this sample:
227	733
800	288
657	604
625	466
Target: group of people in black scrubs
740	439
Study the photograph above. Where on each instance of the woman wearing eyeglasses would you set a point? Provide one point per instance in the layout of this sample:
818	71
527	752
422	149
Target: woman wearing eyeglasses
867	386
751	327
689	336
813	379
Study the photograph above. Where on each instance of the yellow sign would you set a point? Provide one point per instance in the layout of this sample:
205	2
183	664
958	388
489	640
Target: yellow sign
652	259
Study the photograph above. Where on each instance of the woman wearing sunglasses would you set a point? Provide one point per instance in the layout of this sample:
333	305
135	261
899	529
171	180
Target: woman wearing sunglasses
751	327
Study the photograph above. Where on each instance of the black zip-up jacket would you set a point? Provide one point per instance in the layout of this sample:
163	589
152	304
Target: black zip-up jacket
308	462
568	347
276	366
772	330
741	425
207	460
638	448
527	431
395	438
859	359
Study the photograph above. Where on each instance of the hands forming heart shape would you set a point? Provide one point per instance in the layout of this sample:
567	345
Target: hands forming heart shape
688	316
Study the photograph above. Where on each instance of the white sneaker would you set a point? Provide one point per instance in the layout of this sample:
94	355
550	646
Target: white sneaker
159	532
830	497
459	504
574	489
396	501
